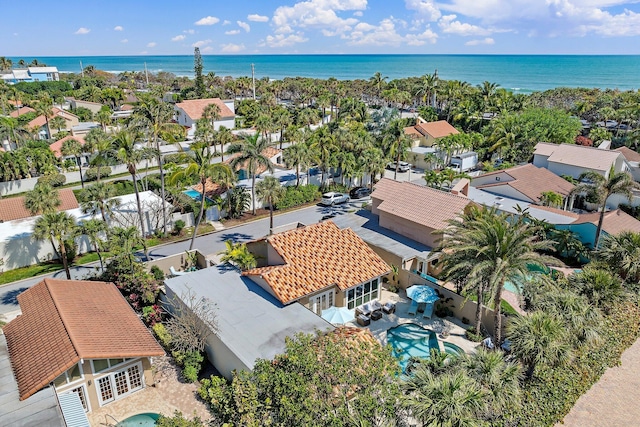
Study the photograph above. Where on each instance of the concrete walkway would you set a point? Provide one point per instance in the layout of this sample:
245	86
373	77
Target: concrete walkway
612	401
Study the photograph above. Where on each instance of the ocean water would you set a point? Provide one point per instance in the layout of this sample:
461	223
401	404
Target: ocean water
520	73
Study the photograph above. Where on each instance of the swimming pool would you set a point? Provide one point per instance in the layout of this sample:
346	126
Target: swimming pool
141	420
452	349
411	340
516	288
195	195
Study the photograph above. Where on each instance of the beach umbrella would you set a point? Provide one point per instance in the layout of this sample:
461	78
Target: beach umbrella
422	293
338	315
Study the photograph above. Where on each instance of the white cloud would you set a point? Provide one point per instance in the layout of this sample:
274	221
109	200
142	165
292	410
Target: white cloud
151	44
189	31
448	25
386	34
226	22
118	28
358	13
244	26
207	20
257	18
82	30
124	41
232	32
425	8
487	41
207	49
317	14
232	48
178	38
201	43
280	40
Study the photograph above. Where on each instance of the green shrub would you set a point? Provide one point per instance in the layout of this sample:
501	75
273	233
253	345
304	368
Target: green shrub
71	248
178	420
54	180
92	173
296	196
162	334
178	226
191	362
472	336
157	273
190	373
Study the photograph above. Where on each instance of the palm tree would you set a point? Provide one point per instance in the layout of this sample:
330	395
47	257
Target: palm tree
600	188
396	142
451	399
621	253
270	191
251	156
12	131
57	227
72	147
492	248
223	136
298	156
98	142
427	88
200	166
238	254
44	108
42	199
377	81
128	152
373	162
602	288
100	198
123	241
539	338
94	229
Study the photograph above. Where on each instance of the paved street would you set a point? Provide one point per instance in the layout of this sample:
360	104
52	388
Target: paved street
209	244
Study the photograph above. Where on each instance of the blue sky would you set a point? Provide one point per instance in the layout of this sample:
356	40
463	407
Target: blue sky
160	27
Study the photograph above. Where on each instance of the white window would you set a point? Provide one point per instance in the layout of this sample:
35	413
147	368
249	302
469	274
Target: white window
72	375
120	383
99	365
362	294
320	302
82	394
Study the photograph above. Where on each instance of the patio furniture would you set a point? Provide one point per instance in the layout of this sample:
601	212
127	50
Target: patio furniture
376	315
337	315
363	320
428	311
413	309
176	273
389	307
375	305
364	310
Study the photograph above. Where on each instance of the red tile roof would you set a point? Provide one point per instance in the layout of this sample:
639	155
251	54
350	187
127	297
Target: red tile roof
318	256
40	121
56	147
629	154
419	204
578	155
195	107
21	111
531	181
614	222
64	321
438	129
12	208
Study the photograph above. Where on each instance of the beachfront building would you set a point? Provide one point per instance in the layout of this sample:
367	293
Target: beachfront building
318	266
81	339
525	183
251	322
572	160
188	112
31	74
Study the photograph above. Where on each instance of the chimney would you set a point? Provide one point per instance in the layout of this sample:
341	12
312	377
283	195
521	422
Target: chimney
461	188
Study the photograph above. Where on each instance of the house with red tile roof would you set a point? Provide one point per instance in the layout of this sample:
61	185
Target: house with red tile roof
56	146
20	111
425	134
319	266
188	112
39	124
79	337
633	160
12	208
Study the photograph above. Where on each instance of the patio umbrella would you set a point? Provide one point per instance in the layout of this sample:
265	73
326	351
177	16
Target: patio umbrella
422	293
338	315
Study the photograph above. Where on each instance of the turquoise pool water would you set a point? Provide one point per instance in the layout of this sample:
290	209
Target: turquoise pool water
141	420
193	194
410	340
516	288
452	349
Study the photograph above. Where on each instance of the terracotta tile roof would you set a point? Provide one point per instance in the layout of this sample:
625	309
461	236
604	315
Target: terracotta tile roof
629	154
269	152
24	110
579	155
195	107
126	107
318	256
531	181
40	121
422	205
544	148
210	188
12	208
614	222
438	129
56	147
412	132
64	321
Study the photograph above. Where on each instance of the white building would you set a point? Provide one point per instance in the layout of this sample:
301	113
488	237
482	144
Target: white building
188	112
573	160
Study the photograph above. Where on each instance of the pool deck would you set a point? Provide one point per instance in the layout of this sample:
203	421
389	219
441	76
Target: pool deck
379	328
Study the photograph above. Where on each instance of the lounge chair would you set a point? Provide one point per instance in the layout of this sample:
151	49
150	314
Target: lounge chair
363	320
375	305
413	309
176	273
428	311
376	315
364	310
389	307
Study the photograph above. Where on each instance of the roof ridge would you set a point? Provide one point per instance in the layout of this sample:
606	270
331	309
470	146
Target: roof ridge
46	281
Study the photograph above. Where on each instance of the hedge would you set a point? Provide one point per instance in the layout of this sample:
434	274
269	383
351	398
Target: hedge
92	173
296	196
54	180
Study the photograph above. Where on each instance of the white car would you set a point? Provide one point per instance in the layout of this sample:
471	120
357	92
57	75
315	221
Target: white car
330	199
402	166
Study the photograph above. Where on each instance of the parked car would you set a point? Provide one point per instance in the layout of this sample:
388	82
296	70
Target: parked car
359	192
403	166
332	198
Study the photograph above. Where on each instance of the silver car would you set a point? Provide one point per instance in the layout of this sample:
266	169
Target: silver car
332	198
402	166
